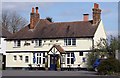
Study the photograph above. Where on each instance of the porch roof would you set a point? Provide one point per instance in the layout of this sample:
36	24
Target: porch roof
59	48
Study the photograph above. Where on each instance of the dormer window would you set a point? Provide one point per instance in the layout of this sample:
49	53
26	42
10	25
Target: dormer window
38	42
17	43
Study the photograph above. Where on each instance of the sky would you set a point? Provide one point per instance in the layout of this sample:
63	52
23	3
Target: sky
68	11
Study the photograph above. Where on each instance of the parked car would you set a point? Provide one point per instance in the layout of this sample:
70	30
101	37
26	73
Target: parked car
97	63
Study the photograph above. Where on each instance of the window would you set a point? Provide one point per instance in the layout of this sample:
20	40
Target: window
26	59
84	59
80	53
17	43
15	57
73	41
43	58
70	58
38	42
57	40
32	41
26	43
70	41
21	58
40	58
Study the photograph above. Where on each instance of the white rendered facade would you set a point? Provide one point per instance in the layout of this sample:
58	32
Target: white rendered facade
82	45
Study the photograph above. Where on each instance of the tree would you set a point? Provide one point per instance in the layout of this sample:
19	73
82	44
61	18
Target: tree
108	46
109	66
5	20
104	47
114	43
13	22
49	19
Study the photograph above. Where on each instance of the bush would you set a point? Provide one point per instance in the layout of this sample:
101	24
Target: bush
109	66
91	59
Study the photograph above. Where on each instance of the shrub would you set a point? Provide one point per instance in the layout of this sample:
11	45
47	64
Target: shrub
91	59
109	66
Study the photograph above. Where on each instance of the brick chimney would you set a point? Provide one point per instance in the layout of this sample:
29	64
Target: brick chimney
85	17
96	13
34	18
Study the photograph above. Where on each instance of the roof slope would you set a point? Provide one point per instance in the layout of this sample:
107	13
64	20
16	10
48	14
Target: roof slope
4	33
44	29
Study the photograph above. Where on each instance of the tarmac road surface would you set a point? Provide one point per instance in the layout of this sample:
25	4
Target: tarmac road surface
52	74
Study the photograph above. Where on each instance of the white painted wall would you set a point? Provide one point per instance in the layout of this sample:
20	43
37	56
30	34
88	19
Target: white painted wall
3	46
78	60
100	33
10	62
81	45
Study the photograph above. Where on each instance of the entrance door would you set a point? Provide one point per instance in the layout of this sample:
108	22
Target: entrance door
53	62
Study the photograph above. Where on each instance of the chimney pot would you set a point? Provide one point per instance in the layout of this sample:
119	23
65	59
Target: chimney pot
34	18
85	17
32	10
36	10
96	5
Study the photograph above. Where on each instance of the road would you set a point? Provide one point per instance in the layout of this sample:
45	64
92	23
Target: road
0	73
82	74
46	73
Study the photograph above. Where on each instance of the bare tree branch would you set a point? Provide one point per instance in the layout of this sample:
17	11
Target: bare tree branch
13	21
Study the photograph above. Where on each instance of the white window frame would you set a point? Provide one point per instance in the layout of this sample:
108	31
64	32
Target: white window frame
39	58
38	43
21	57
80	53
14	57
16	43
70	41
25	59
70	57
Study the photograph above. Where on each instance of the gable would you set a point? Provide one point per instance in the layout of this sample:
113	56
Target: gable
56	49
100	33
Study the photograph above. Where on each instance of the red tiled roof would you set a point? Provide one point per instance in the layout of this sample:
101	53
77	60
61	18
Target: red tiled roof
46	29
4	33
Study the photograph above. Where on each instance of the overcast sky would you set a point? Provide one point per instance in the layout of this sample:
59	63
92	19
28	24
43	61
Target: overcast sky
68	11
